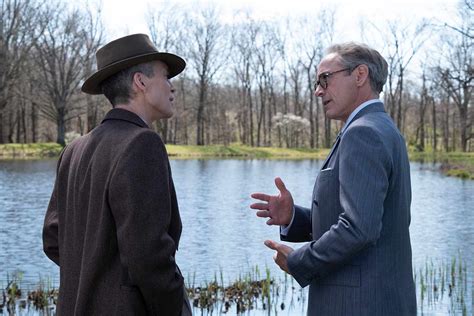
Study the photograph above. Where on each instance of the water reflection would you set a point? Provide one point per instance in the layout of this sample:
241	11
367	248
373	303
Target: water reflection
220	231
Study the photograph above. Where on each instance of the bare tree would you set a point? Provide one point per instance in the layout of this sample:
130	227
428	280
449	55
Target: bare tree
243	39
458	75
314	32
207	54
423	104
93	30
268	50
21	23
403	42
62	58
167	30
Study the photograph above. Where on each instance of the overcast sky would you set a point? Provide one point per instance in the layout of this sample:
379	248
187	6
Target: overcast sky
123	17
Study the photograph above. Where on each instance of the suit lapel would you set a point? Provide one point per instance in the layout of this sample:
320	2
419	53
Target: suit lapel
375	107
333	149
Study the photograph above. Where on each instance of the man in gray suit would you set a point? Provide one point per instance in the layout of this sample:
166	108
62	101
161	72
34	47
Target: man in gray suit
358	258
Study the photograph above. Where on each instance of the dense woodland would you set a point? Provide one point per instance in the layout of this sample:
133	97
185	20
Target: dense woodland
247	81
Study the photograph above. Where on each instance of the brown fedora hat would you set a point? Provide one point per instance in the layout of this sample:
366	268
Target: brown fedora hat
126	52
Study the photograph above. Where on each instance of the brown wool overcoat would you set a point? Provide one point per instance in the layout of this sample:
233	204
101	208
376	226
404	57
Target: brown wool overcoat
113	223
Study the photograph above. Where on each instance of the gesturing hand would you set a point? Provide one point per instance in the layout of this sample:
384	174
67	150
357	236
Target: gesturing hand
278	208
281	257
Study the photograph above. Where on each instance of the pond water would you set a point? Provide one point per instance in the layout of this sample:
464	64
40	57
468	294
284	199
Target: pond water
221	235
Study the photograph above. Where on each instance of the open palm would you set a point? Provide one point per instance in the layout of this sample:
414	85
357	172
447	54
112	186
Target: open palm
278	208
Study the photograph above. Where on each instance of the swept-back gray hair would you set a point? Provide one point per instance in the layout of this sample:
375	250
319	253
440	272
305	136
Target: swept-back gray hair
354	54
118	88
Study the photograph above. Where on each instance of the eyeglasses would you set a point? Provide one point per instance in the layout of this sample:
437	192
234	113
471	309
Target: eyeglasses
323	78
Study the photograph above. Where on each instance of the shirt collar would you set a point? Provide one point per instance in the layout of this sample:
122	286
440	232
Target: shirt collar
357	110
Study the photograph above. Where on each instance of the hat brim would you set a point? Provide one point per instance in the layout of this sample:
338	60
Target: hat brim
175	66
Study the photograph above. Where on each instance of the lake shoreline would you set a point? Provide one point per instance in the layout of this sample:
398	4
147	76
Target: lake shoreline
456	164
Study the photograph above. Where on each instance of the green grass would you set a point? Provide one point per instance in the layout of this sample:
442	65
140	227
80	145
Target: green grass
242	151
457	164
29	151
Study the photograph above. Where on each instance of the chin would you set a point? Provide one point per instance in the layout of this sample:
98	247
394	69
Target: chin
329	115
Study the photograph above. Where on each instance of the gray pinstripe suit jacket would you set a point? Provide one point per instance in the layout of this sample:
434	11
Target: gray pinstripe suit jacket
358	260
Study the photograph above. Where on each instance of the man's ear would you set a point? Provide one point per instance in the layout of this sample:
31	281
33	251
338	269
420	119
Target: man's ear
138	81
362	74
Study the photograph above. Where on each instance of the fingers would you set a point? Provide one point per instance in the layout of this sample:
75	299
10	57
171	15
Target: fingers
261	196
280	185
259	206
272	244
263	213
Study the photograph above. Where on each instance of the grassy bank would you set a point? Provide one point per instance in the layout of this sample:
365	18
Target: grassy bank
45	150
29	151
456	164
241	151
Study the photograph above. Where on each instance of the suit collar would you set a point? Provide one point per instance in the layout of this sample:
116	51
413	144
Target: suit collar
374	107
371	108
124	115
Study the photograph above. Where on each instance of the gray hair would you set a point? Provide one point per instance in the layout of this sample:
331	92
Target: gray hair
118	87
354	54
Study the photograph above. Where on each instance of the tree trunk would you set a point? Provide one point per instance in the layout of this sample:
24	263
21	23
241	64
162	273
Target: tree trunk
311	109
251	127
327	132
463	127
11	127
316	120
400	97
433	115
453	140
1	127
422	131
33	122
260	117
23	125
18	126
446	126
199	125
91	113
184	117
423	104
61	128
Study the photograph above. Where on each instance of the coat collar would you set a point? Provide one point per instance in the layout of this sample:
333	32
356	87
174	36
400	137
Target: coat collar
124	115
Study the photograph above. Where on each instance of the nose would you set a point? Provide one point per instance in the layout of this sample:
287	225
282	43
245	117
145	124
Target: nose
173	90
319	92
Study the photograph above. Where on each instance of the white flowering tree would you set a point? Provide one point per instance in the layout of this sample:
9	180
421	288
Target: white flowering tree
293	128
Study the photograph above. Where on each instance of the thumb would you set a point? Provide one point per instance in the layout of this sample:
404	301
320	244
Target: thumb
272	244
280	185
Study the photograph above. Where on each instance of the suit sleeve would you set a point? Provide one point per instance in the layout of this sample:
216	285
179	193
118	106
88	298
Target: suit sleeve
364	171
300	228
50	225
139	195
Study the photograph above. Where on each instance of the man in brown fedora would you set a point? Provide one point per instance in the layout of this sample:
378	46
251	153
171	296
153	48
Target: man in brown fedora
113	224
